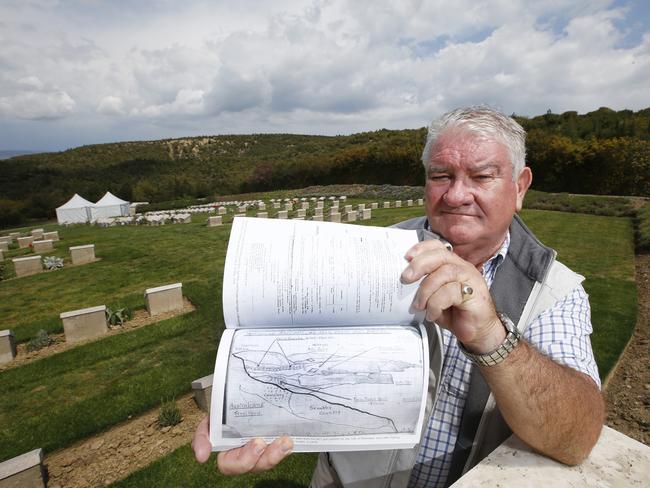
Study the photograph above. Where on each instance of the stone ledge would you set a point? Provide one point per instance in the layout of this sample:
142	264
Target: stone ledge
82	311
162	288
20	463
86	246
616	461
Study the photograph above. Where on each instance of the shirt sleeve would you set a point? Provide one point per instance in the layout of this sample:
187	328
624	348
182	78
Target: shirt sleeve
562	333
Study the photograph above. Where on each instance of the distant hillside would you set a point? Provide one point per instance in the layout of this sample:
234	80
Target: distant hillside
602	152
10	154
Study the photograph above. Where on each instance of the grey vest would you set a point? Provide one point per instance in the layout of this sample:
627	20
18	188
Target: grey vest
528	281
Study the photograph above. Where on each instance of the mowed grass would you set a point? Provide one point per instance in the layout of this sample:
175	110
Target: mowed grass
180	469
54	401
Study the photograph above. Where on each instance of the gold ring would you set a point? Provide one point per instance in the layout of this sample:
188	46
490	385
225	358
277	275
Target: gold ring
466	291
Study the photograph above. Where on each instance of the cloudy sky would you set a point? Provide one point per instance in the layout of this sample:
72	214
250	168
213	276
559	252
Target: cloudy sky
76	72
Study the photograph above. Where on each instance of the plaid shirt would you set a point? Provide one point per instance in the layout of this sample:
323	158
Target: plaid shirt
561	332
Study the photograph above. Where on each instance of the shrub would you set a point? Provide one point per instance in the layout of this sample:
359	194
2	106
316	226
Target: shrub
118	316
41	340
169	414
643	227
52	262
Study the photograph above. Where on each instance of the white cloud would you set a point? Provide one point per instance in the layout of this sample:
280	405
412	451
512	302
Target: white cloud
331	66
111	105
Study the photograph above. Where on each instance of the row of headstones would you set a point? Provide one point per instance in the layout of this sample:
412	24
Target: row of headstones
39	240
31	265
158	218
90	323
208	207
27	470
350	215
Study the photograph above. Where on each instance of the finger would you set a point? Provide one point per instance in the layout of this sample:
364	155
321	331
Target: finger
445	297
425	263
424	246
241	460
274	454
201	442
444	274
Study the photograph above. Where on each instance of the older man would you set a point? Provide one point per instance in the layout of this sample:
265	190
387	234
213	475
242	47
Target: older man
489	377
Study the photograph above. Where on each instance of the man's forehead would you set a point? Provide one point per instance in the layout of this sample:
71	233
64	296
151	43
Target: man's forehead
462	146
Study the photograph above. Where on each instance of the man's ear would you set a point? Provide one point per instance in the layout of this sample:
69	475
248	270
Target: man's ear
523	182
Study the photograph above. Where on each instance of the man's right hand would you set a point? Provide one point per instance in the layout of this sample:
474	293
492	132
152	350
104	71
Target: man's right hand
253	457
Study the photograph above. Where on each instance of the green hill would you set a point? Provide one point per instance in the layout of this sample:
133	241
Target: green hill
602	152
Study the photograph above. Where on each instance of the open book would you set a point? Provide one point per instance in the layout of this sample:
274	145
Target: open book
320	342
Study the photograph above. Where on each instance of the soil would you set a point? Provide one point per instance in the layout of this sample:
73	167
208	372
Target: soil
132	445
627	391
140	318
112	455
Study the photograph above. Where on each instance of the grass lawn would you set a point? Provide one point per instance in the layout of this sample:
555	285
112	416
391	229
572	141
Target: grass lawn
54	401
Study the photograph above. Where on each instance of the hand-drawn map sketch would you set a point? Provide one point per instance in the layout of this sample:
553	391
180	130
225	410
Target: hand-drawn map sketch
333	381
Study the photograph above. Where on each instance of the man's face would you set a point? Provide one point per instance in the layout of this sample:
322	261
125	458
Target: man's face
470	195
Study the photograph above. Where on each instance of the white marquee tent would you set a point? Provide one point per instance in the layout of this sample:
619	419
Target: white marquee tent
110	206
74	211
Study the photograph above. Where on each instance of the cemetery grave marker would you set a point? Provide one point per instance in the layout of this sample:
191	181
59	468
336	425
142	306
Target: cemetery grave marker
24	242
163	299
214	221
7	346
398	203
4	246
28	266
24	471
283	214
43	246
335	217
86	323
37	234
202	389
53	236
82	254
386	204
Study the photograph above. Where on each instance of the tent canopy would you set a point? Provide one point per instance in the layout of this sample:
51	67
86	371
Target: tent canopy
110	206
74	211
109	199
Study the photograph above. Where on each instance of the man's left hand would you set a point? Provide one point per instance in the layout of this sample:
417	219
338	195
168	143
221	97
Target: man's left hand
471	318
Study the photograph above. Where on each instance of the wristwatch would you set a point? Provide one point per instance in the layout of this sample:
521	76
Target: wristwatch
500	353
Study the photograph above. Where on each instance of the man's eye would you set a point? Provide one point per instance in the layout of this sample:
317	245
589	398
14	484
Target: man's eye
438	177
483	177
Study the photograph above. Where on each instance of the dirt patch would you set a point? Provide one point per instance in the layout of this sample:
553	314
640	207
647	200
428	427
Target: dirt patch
141	318
125	448
627	391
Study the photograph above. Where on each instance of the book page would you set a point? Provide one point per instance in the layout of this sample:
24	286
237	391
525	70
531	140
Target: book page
302	273
331	388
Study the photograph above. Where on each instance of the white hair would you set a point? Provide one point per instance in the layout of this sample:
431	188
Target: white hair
484	122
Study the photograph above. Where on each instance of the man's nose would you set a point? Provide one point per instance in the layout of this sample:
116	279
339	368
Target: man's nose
457	194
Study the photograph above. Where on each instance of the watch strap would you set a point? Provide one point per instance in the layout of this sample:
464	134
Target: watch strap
500	353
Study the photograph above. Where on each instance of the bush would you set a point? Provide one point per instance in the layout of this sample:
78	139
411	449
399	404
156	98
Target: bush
118	316
52	262
169	414
41	340
643	227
